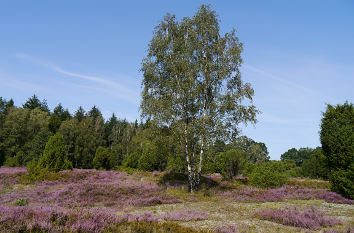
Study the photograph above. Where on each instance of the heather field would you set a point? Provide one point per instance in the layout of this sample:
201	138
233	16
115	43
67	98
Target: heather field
112	201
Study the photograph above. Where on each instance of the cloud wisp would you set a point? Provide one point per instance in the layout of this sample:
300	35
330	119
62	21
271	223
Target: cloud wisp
123	92
281	80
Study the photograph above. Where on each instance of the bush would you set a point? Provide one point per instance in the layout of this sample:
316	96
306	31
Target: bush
21	202
103	158
54	155
132	160
149	160
337	139
269	175
231	163
15	161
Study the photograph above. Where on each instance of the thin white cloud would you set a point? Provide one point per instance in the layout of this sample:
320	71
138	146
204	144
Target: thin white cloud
281	80
122	91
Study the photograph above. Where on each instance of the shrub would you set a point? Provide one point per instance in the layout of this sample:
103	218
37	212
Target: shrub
149	160
269	175
21	202
231	163
132	160
54	155
337	139
15	161
103	158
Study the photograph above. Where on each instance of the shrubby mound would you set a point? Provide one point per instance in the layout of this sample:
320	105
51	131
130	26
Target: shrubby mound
269	175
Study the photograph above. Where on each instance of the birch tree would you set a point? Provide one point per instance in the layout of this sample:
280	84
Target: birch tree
193	85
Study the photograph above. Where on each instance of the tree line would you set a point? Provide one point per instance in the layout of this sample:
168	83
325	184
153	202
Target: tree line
92	142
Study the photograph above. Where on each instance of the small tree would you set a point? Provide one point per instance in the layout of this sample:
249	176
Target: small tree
269	174
193	85
337	139
54	156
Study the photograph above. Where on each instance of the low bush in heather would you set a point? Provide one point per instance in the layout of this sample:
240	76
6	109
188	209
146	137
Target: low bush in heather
310	218
21	202
184	215
269	175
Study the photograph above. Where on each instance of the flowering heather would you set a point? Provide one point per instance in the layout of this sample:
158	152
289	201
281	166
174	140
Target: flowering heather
12	170
85	188
11	175
310	218
184	215
57	219
283	193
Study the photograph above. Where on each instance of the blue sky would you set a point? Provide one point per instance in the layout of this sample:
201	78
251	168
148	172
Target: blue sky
298	55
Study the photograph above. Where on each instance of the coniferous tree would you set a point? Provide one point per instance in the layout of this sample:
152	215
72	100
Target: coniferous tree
94	112
63	114
54	156
80	114
337	139
33	102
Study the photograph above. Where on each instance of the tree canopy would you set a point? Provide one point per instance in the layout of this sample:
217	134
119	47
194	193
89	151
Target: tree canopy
192	84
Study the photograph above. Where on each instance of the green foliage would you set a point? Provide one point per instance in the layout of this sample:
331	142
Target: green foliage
94	112
126	169
103	159
316	166
175	163
54	156
80	114
132	160
117	155
21	202
88	136
289	166
269	175
36	146
230	163
337	139
54	123
299	156
63	114
255	152
33	103
152	157
342	181
15	161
